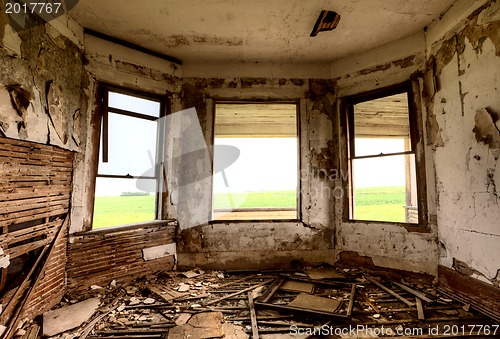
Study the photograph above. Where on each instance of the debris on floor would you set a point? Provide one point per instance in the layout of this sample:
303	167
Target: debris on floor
68	317
322	302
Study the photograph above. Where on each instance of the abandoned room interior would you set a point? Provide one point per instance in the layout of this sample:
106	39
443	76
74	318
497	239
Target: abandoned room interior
236	169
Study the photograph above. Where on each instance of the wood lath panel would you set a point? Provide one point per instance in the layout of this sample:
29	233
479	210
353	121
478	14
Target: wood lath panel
35	193
97	258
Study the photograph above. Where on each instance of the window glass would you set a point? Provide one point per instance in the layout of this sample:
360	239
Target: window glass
131	146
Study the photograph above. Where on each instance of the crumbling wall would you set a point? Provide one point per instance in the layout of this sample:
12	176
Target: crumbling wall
462	93
123	253
244	245
42	84
42	102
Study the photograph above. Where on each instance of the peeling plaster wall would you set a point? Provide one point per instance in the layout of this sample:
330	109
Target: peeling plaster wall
246	245
42	83
465	110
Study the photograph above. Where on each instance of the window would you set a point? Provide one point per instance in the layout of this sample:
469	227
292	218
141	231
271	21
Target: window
383	185
262	183
127	179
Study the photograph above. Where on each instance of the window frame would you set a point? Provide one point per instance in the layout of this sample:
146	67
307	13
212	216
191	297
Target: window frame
102	129
299	159
417	149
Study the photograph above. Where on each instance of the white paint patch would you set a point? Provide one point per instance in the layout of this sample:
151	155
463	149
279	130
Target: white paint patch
161	251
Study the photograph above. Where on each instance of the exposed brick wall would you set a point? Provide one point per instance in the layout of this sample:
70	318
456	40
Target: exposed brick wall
97	258
51	287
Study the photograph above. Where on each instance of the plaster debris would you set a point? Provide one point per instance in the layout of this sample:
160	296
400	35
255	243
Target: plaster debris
69	317
221	308
192	274
203	325
149	301
183	287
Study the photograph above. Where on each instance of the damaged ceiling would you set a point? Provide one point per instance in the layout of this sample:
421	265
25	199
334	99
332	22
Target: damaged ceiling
259	30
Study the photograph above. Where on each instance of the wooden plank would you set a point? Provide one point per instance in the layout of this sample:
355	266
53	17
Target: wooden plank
25	185
42	212
302	310
46	192
7	167
268	294
372	305
29	204
351	300
28	233
15	252
166	293
237	293
391	292
253	317
416	293
40	215
420	309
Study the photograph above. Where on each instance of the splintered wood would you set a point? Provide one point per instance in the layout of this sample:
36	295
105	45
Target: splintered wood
235	305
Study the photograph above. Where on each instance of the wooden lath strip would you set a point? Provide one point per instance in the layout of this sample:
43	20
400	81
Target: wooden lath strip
34	210
38	215
28	193
28	233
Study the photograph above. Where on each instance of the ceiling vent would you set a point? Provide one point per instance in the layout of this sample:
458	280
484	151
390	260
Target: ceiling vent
327	21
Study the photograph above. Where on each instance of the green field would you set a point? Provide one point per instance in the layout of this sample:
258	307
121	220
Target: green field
380	203
113	211
285	199
374	203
